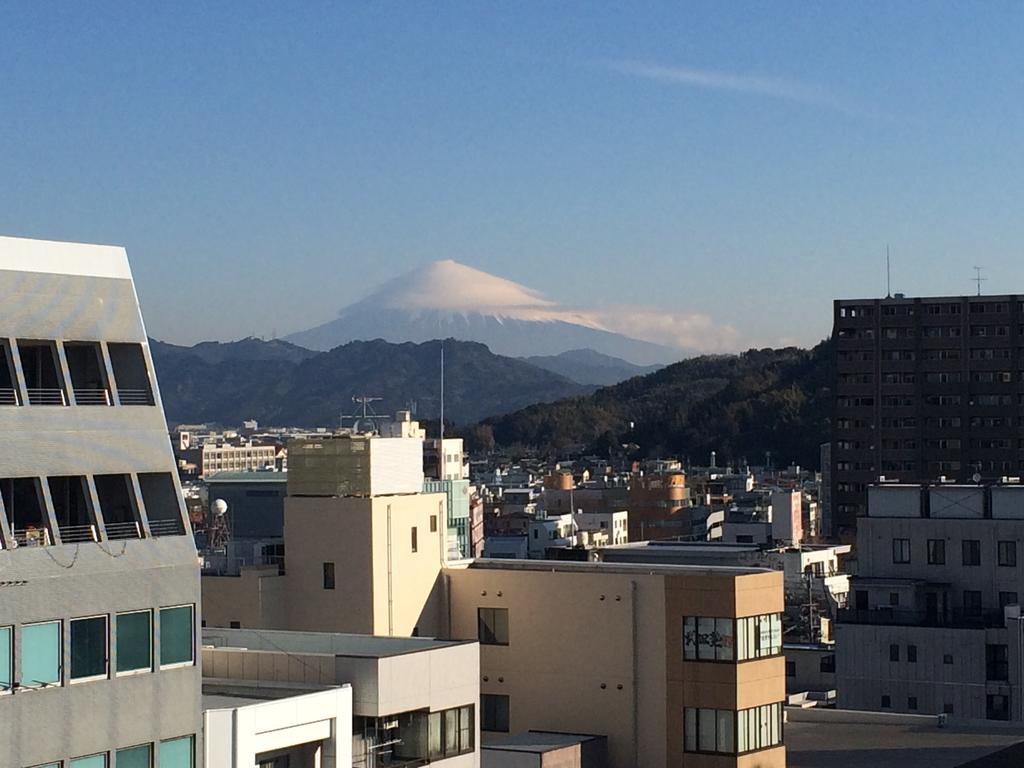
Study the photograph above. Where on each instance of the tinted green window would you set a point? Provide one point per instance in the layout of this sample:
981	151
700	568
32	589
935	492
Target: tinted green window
176	633
176	753
6	660
40	654
134	641
88	647
93	761
134	757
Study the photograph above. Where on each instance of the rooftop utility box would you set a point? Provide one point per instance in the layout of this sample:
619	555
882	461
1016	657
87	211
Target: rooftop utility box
355	465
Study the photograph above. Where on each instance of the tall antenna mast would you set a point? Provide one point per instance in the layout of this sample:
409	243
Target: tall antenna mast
888	274
442	390
978	278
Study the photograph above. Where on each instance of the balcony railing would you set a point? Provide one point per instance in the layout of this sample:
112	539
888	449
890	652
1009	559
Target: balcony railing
47	397
32	537
135	396
172	527
92	397
8	397
129	530
77	534
957	618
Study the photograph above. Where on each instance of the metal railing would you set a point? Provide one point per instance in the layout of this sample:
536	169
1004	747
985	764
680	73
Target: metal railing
135	396
8	397
32	537
172	527
129	530
76	534
47	397
92	397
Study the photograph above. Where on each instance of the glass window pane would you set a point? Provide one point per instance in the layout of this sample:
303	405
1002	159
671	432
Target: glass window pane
741	732
93	761
467	729
176	753
6	660
706	730
690	729
776	634
88	647
135	757
40	654
434	734
741	639
134	641
725	721
451	732
501	625
689	637
725	639
176	635
705	638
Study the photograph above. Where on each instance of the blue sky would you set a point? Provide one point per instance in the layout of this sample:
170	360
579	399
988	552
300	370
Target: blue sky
267	163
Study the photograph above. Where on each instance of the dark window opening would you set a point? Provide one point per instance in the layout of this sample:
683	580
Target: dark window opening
997	707
494	712
912	702
415	540
235	625
160	499
89	649
71	509
886	702
492	626
894	652
827	664
43	379
131	374
328	575
117	506
997	662
8	383
88	376
912	653
23	502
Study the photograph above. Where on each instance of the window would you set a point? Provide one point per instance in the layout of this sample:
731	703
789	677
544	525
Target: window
894	652
177	635
758	728
901	551
9	394
235	625
117	505
997	662
426	736
88	373
947	708
433	523
972	602
971	552
492	626
43	377
886	702
758	637
997	707
947	658
23	502
790	669
415	539
911	702
41	655
708	639
134	757
936	552
177	753
6	658
71	509
134	641
328	575
162	502
89	648
912	654
494	712
131	374
1007	598
1008	553
827	664
92	761
894	598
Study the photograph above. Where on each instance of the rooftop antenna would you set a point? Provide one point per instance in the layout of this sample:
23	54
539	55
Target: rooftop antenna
442	389
367	417
978	278
888	274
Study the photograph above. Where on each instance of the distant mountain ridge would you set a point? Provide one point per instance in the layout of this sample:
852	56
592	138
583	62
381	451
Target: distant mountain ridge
281	384
446	299
586	366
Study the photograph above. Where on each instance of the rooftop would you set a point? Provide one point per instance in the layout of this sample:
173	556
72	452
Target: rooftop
328	643
831	738
260	476
538	742
567	566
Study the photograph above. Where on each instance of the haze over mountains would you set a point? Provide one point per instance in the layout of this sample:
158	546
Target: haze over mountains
446	299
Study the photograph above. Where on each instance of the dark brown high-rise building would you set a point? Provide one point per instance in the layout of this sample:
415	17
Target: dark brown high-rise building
926	388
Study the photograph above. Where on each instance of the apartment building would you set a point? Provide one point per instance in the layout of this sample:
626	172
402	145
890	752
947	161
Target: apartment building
99	586
926	388
934	626
674	665
410	701
658	505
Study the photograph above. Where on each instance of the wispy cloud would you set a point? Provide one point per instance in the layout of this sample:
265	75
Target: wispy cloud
715	80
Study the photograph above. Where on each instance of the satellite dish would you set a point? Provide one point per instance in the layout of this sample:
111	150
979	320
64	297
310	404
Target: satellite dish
976	477
219	508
